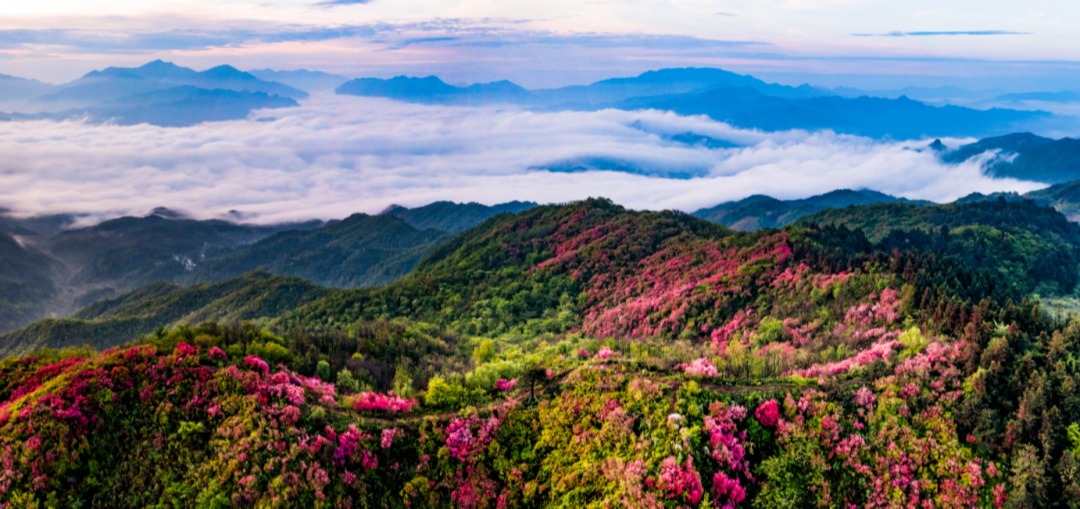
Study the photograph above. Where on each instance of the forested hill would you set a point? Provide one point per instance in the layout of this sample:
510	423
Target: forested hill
594	267
760	211
25	283
360	250
50	267
454	217
584	354
1032	246
117	321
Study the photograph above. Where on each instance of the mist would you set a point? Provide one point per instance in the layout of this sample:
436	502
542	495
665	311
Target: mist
334	156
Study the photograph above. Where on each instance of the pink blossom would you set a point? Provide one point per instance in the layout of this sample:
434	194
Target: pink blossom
253	361
185	350
374	401
768	413
604	354
368	460
348	443
701	367
217	354
680	481
728	489
878	351
865	398
458	439
504	385
388	437
290	415
999	495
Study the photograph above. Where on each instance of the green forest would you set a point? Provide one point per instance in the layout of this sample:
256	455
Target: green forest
577	355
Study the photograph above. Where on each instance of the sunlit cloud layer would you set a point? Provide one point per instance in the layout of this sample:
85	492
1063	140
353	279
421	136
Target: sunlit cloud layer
337	155
557	42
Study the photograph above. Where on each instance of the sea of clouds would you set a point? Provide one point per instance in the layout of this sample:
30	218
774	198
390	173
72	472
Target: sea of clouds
335	155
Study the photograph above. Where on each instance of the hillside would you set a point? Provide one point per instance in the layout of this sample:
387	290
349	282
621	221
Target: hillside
758	211
1065	198
576	354
26	283
1031	245
454	217
1025	156
122	254
117	321
360	250
116	256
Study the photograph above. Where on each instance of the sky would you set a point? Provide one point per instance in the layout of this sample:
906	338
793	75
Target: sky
335	155
975	43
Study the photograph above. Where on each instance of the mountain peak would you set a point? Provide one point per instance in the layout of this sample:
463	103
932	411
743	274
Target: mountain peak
167	213
227	72
159	68
159	64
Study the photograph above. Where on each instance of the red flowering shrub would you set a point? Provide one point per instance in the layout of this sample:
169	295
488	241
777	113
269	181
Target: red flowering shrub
504	385
680	482
252	361
376	402
217	353
768	413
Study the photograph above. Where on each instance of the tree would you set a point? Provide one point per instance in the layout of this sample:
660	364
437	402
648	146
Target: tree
346	383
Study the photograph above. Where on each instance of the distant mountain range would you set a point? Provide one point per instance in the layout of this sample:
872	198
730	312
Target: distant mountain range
158	93
26	283
162	93
303	79
1064	96
14	89
741	100
116	83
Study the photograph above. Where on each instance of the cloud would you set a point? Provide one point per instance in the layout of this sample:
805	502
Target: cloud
332	3
943	33
442	32
337	155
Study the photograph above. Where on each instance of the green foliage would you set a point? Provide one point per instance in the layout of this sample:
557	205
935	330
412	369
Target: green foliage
346	383
484	352
914	342
443	393
322	369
